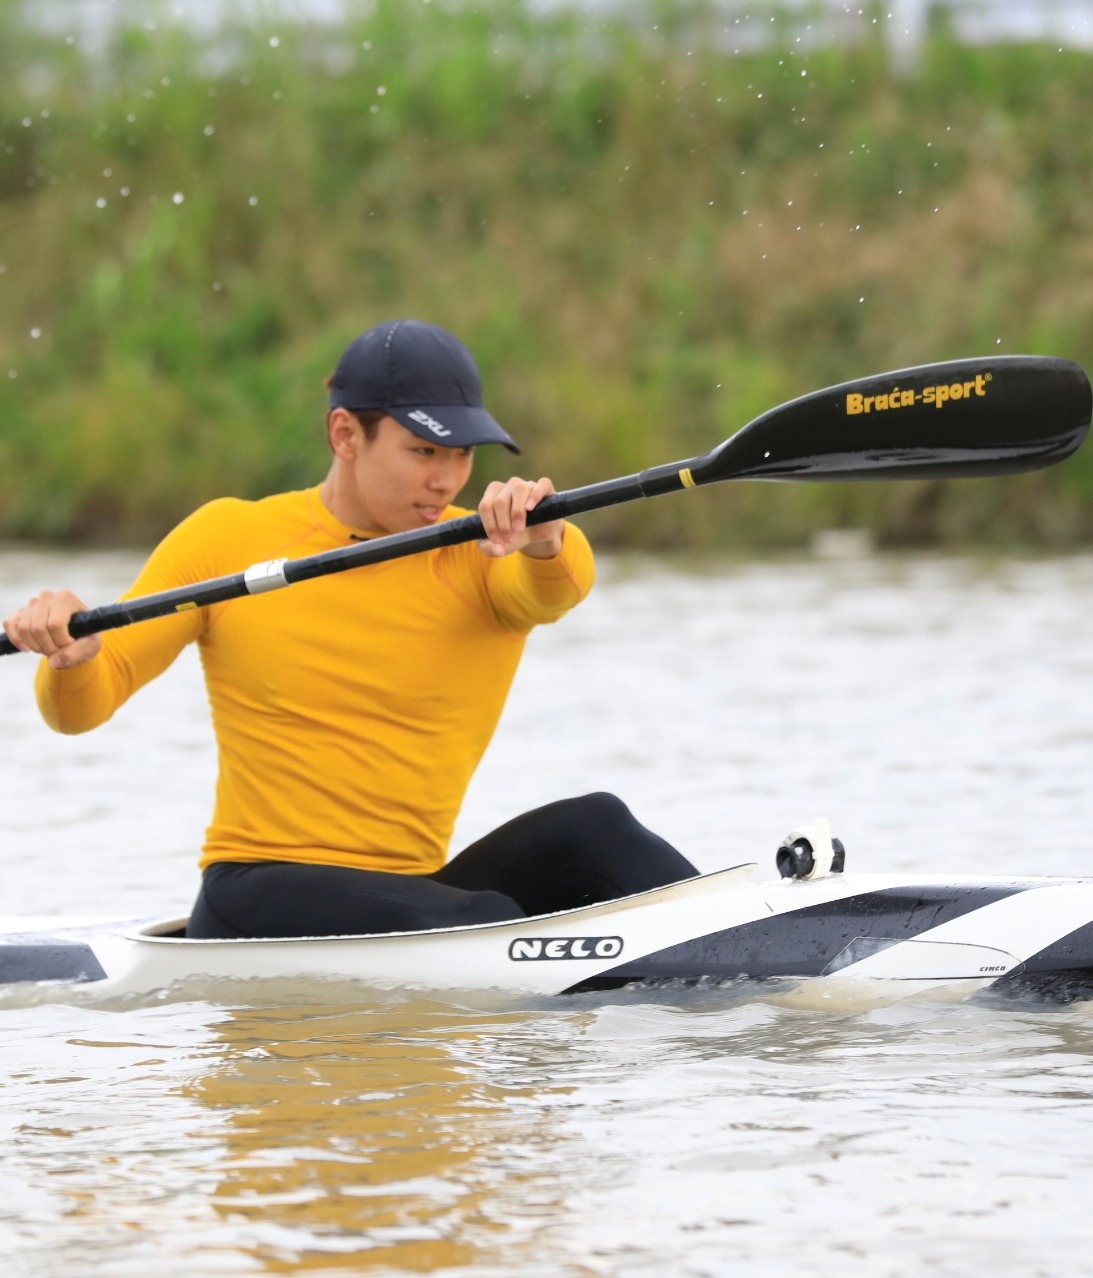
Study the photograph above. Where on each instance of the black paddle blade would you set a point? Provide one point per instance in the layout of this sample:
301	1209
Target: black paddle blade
990	416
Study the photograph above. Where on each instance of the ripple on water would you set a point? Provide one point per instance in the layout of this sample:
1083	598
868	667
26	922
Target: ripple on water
931	707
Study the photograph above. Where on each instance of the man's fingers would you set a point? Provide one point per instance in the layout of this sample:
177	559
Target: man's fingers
76	653
29	627
56	624
14	632
504	510
513	505
540	489
502	513
487	509
46	625
42	626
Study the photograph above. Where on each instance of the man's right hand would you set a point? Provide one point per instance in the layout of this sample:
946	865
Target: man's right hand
42	626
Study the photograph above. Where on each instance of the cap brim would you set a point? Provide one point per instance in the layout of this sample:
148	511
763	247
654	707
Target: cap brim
453	425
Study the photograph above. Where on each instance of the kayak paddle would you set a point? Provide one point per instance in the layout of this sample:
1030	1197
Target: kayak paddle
992	416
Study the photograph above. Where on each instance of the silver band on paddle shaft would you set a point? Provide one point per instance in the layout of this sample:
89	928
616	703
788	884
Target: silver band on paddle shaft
266	576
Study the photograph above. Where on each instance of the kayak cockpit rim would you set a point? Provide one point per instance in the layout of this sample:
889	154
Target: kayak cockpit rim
173	930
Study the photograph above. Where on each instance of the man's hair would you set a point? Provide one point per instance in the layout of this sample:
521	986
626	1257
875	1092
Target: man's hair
369	418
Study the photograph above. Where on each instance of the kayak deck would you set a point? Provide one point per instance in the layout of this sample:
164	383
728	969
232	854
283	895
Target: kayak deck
1016	935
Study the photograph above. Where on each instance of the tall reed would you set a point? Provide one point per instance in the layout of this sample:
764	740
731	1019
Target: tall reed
648	231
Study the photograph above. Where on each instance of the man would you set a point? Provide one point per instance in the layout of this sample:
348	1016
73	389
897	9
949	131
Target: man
351	711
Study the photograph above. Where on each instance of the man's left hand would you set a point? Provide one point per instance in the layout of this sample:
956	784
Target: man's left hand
504	511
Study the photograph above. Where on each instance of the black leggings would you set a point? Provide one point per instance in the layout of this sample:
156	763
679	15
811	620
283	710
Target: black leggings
570	853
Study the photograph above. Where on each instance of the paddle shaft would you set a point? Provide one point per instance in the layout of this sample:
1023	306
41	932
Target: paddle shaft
989	416
277	573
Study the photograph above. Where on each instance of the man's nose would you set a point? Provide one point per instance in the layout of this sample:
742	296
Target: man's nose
440	477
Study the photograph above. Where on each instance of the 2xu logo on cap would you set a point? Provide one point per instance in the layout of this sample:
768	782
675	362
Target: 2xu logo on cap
430	423
531	948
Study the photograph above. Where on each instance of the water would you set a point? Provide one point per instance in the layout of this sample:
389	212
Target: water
933	709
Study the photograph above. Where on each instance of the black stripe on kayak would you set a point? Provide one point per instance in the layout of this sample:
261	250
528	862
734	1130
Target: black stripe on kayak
1061	972
1067	954
48	961
805	942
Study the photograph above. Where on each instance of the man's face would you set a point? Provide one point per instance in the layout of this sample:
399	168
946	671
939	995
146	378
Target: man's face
403	482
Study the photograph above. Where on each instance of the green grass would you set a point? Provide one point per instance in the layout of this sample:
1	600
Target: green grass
645	237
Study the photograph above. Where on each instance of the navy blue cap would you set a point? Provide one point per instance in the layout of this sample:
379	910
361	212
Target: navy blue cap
423	377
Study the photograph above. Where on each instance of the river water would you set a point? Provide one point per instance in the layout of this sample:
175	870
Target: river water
934	709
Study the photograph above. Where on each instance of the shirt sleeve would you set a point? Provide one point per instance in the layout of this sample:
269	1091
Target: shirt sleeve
77	700
526	592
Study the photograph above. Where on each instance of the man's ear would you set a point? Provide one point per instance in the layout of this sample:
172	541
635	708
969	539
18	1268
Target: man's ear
344	434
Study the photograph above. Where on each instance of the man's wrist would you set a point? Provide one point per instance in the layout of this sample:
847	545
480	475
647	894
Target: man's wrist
545	549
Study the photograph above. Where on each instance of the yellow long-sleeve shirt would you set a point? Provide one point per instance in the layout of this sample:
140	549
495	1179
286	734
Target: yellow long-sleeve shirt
350	711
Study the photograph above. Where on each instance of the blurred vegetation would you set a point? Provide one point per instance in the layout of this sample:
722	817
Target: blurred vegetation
647	234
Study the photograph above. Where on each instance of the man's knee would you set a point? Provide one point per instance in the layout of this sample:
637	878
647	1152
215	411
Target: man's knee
600	811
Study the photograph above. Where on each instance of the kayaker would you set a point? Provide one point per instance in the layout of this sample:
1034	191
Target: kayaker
351	711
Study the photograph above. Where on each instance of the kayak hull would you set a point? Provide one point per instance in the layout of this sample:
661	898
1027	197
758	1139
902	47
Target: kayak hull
869	931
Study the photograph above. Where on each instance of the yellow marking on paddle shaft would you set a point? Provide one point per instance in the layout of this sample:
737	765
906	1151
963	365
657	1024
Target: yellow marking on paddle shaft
686	478
188	606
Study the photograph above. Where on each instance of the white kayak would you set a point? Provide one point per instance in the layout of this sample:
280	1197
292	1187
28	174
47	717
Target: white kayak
910	933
